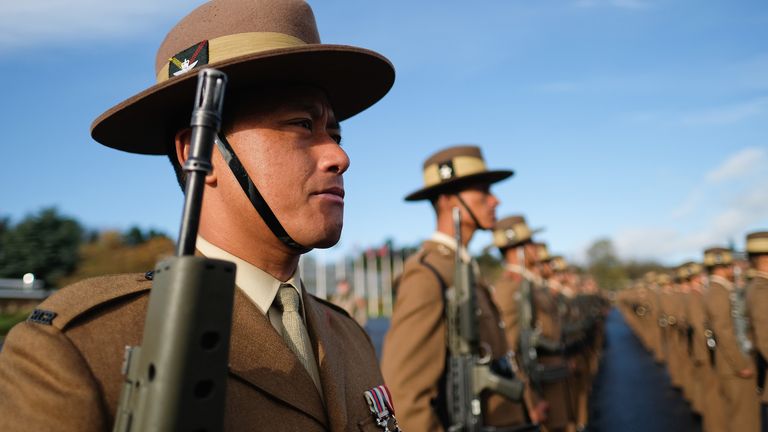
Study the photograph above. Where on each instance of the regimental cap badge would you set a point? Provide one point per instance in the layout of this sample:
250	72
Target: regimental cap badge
190	58
445	170
380	403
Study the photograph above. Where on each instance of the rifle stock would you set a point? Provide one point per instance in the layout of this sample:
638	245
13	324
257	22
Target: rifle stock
176	379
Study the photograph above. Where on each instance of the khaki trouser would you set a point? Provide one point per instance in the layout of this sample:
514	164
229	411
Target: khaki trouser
741	404
713	415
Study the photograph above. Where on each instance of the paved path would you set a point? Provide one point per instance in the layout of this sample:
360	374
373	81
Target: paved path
632	392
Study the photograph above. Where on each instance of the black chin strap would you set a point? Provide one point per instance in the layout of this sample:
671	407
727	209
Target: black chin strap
255	197
471	214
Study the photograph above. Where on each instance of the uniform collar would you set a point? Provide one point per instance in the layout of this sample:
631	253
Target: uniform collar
722	281
522	271
259	286
450	242
756	273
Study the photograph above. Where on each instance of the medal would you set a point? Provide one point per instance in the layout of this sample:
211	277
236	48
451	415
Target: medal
380	403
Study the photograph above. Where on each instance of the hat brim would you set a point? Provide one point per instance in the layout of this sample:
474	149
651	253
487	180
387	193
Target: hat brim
485	177
353	79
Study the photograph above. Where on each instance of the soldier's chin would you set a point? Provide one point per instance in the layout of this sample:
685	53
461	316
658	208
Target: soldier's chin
325	237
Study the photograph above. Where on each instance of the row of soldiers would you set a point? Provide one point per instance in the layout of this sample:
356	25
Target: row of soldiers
540	323
708	322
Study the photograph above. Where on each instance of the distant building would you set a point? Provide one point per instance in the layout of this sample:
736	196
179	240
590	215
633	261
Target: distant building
21	294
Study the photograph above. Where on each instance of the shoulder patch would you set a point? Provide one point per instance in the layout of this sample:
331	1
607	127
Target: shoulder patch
333	306
40	316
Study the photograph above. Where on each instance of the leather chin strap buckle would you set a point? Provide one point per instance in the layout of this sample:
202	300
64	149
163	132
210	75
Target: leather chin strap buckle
253	194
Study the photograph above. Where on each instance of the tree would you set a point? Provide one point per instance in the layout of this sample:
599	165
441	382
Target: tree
109	254
605	266
45	244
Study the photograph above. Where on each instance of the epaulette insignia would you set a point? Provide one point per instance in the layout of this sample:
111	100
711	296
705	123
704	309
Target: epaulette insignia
149	275
39	316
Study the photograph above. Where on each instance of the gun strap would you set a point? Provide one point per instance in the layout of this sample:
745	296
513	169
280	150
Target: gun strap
762	368
253	194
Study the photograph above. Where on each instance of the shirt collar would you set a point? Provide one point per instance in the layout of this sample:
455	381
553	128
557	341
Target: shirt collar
260	286
450	242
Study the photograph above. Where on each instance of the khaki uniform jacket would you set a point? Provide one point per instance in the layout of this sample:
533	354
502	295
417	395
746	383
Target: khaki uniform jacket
728	357
66	375
757	309
414	357
507	295
697	320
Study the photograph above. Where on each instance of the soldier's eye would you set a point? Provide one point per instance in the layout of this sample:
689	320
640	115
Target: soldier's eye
305	123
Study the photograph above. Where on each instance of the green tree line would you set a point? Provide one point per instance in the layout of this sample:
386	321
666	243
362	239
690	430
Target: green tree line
59	250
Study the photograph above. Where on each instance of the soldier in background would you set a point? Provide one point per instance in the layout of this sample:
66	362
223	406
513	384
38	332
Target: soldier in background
705	398
757	310
514	239
734	367
578	332
414	357
347	300
550	309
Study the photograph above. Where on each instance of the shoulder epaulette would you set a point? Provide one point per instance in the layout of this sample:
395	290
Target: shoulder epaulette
70	302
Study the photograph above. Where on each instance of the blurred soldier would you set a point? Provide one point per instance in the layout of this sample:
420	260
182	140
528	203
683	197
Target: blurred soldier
296	363
669	322
578	332
514	239
550	309
706	386
347	300
414	357
657	321
734	367
757	303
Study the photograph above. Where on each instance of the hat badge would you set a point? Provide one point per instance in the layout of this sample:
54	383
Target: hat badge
510	233
445	170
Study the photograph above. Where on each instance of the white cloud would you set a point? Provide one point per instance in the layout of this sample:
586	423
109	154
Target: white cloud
741	164
727	114
36	22
735	214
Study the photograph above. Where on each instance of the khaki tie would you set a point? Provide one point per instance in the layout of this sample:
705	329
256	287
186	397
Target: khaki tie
294	332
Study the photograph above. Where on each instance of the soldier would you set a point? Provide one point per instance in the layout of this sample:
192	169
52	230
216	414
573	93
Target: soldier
550	309
734	367
414	357
705	385
757	304
347	300
296	362
578	326
514	239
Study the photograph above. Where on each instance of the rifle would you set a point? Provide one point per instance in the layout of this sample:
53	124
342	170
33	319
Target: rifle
531	342
176	379
470	372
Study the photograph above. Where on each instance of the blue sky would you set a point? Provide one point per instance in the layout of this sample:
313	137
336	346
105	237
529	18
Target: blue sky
645	121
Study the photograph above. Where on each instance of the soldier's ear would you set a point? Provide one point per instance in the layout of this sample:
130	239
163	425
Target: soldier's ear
182	141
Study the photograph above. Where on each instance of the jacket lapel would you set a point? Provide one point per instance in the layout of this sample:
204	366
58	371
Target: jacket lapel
329	353
259	356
